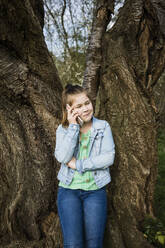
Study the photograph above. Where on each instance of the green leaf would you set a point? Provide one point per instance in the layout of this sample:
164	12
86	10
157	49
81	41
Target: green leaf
160	238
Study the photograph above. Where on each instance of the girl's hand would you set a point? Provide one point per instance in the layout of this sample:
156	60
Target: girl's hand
71	115
72	163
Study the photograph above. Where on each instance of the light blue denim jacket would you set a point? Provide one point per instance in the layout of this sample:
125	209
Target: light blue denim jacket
101	152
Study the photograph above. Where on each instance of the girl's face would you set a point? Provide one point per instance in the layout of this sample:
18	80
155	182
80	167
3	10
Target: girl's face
82	105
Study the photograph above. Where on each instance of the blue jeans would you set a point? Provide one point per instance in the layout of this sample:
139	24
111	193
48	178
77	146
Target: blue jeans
82	216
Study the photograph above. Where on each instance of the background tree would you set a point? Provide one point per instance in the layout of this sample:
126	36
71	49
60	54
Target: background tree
125	72
67	28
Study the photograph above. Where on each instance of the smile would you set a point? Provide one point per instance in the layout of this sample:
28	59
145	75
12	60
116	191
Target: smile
86	115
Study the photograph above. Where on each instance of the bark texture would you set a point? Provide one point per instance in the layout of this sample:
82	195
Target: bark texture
29	113
159	95
102	16
133	60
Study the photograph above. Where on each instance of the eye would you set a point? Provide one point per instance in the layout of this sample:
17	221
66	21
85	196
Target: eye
87	102
79	106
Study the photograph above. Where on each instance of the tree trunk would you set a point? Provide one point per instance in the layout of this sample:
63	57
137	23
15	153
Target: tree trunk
133	59
159	96
29	114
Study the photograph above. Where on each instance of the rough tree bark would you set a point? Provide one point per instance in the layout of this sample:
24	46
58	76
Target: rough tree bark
159	95
30	95
30	92
101	18
133	60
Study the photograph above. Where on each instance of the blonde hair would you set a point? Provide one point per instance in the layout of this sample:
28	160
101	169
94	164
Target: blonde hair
68	91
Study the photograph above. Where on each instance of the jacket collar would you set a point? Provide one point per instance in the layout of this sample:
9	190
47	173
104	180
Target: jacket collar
96	123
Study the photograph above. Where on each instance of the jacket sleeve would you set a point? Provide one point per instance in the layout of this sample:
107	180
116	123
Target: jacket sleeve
66	140
104	159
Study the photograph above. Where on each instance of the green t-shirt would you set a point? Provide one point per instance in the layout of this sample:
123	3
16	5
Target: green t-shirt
83	181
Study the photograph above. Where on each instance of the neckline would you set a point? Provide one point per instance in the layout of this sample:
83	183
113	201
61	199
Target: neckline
86	133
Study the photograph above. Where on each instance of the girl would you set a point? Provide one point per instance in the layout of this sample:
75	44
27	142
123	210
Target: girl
85	152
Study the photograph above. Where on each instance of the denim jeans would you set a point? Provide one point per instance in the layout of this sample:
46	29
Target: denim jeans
82	216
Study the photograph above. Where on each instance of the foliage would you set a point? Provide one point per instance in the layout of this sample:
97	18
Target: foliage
67	28
154	231
71	71
160	186
68	24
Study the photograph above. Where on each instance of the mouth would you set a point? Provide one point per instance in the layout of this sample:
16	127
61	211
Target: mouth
86	115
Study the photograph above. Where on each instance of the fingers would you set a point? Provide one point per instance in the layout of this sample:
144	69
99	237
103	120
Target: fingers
71	110
74	114
68	108
71	114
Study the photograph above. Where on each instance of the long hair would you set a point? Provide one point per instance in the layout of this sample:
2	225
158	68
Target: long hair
70	90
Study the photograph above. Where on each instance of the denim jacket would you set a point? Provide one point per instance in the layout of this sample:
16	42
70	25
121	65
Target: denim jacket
101	152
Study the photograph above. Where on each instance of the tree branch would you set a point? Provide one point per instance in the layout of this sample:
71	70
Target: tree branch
54	20
140	30
102	17
64	30
73	25
160	11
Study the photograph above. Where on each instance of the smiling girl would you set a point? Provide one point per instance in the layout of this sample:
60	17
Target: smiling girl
85	152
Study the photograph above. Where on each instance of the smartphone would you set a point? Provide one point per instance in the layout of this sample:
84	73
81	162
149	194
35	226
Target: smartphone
80	121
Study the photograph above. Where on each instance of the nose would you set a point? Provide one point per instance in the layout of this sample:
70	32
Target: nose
85	108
